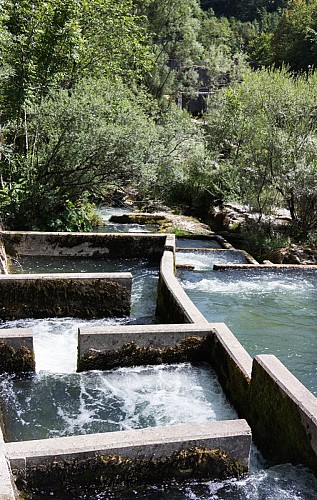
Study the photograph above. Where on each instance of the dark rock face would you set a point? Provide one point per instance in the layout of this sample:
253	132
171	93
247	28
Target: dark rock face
294	254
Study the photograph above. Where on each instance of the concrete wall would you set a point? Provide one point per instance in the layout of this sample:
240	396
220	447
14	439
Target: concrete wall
120	245
3	258
124	459
94	295
17	337
173	304
7	489
283	414
114	337
233	366
16	351
231	436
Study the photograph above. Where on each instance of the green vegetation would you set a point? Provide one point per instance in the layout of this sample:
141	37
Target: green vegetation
88	107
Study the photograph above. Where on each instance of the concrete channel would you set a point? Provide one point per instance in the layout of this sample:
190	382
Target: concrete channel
268	398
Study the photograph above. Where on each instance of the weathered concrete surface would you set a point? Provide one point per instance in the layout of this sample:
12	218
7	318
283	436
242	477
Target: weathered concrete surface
114	337
7	490
16	351
17	337
120	245
173	304
269	266
283	414
83	295
231	436
233	366
3	258
109	348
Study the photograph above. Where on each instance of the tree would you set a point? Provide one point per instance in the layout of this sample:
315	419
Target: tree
47	49
53	44
266	131
295	39
174	25
100	137
244	10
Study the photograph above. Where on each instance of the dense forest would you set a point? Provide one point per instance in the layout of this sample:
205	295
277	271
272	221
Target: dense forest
89	107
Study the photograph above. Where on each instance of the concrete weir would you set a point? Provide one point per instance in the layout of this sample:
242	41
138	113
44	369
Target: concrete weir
280	410
95	245
95	295
59	465
232	436
16	351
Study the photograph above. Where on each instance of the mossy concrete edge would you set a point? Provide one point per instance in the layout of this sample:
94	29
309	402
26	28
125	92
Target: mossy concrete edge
283	414
93	295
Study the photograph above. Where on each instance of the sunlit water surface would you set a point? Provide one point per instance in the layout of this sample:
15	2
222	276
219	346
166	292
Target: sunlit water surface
114	227
149	396
204	261
270	312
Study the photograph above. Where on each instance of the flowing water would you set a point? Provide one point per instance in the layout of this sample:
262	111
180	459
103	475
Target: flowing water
55	404
270	312
197	243
116	227
203	261
57	401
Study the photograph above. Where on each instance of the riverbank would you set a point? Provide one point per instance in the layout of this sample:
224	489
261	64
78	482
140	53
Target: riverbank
266	239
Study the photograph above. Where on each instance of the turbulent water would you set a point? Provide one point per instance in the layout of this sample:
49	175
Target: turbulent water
115	227
269	312
54	404
203	261
196	243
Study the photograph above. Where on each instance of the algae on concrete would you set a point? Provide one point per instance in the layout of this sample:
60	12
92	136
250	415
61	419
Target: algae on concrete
191	349
114	473
16	361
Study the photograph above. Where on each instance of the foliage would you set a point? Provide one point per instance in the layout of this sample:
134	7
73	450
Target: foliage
244	10
76	121
77	143
261	239
295	39
266	131
102	135
48	45
174	25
